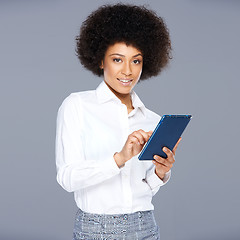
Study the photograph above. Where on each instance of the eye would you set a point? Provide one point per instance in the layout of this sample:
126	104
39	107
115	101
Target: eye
118	60
136	61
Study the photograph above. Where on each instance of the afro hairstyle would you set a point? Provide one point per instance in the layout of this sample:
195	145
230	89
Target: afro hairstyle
134	25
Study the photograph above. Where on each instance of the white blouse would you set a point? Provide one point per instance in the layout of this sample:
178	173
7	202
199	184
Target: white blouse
91	127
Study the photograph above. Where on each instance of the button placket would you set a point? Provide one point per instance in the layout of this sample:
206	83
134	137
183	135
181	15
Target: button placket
127	192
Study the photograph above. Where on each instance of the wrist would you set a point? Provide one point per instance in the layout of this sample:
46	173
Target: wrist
160	175
119	159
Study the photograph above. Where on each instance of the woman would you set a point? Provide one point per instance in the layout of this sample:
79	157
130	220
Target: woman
101	132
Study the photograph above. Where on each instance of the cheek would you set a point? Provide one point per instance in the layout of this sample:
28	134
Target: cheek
110	71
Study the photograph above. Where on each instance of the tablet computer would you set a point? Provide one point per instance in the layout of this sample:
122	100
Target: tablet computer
166	134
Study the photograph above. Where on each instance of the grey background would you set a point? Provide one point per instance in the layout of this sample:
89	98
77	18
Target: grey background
38	69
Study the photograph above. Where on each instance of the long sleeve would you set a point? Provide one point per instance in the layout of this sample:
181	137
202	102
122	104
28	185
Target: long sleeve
74	171
154	181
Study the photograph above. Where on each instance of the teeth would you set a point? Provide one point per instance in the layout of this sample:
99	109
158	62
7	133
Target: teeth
125	81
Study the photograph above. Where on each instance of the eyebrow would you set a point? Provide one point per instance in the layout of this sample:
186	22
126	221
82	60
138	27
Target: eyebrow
139	54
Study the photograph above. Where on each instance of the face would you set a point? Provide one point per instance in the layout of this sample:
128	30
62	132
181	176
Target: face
122	66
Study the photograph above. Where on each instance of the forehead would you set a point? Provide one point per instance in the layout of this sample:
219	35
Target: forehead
122	49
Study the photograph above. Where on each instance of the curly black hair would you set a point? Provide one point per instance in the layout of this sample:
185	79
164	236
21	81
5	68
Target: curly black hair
134	25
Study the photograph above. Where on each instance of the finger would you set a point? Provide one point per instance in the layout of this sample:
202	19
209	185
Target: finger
139	136
164	161
133	137
150	132
176	145
144	134
169	153
134	140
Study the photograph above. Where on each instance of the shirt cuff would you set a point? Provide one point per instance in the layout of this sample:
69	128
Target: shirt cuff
110	168
154	181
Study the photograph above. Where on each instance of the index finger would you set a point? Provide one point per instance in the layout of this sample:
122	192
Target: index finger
145	135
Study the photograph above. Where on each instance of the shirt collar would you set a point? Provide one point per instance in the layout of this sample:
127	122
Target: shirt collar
104	94
137	103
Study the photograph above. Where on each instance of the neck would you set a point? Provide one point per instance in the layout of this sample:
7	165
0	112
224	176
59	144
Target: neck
126	99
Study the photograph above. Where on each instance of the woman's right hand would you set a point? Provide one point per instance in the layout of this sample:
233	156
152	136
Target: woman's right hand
132	147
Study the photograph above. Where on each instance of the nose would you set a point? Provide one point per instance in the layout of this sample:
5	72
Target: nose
127	70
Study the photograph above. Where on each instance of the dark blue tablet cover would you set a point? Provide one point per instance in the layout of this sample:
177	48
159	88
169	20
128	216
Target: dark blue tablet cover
166	134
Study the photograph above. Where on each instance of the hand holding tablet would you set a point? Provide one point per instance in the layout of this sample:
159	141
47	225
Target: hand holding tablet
166	134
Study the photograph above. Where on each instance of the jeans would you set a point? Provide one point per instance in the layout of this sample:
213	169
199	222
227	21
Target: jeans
134	226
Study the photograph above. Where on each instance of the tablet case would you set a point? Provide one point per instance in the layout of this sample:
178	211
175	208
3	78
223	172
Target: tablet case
166	134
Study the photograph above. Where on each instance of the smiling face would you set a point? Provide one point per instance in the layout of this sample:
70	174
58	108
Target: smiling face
122	66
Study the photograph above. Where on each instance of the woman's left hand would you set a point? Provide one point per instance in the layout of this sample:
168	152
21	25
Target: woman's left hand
163	165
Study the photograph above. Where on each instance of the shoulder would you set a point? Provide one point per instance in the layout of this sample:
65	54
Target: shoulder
72	107
76	99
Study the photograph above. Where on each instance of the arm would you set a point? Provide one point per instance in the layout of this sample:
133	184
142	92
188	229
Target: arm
74	172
